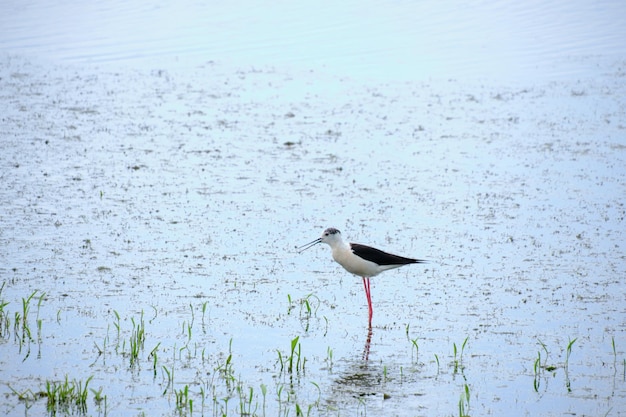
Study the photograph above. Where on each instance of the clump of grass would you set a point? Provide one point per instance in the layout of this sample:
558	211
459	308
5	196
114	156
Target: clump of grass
183	401
295	361
296	350
67	397
137	339
20	324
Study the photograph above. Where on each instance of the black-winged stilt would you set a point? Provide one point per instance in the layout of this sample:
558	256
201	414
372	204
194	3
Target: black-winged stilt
360	260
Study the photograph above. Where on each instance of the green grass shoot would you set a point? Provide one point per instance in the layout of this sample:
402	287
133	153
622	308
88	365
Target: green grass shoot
67	396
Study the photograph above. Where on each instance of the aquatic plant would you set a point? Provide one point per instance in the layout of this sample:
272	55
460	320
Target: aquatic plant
458	356
170	378
226	370
245	401
319	393
539	367
294	358
464	402
414	347
67	396
137	339
102	350
307	301
183	401
615	359
25	312
27	396
329	358
264	393
291	305
154	355
204	308
22	333
5	321
118	328
537	370
568	352
98	398
299	362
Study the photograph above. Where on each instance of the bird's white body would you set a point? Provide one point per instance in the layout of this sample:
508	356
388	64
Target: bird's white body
344	255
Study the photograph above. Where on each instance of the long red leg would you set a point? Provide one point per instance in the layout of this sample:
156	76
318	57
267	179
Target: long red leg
366	284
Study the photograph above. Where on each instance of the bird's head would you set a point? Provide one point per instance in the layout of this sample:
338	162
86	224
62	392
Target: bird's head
331	236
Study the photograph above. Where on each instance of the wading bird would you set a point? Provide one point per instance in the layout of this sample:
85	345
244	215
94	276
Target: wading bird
360	260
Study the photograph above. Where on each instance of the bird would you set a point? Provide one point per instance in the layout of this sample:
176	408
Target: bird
364	261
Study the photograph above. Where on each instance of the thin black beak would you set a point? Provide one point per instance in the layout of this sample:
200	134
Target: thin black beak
309	245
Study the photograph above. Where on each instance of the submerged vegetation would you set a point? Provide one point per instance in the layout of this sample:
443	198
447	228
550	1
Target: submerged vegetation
219	389
20	324
67	396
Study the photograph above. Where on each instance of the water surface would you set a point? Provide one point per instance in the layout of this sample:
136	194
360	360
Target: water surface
159	164
384	40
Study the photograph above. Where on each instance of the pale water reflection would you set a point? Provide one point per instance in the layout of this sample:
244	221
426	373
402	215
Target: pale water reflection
386	40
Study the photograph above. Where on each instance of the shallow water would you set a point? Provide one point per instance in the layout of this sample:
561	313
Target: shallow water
169	185
176	198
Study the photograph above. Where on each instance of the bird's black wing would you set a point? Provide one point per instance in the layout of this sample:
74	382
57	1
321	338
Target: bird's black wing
379	257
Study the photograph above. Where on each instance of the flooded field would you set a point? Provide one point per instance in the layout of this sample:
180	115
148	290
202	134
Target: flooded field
149	220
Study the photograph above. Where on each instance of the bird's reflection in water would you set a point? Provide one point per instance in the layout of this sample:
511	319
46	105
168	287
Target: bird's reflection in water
370	382
361	378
